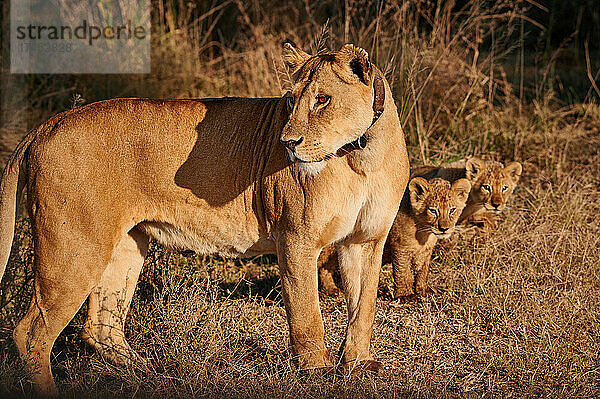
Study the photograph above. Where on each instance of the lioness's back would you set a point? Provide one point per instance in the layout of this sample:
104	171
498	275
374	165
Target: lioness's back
158	137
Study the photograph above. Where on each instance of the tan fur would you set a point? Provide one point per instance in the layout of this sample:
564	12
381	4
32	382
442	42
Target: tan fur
212	176
492	183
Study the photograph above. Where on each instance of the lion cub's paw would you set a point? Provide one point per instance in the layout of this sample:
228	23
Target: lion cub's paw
329	292
426	291
405	299
403	293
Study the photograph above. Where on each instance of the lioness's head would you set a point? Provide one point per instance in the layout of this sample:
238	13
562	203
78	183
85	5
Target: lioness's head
437	205
331	104
492	183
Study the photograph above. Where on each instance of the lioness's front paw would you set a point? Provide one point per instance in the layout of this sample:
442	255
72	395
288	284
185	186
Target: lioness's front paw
363	366
318	360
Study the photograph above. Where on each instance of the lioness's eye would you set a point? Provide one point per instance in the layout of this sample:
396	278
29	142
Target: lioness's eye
504	188
452	210
290	103
486	187
323	99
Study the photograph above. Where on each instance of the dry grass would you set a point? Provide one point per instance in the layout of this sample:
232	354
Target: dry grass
517	315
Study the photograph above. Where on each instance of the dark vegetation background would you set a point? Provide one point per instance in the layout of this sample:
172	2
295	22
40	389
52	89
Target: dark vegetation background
517	314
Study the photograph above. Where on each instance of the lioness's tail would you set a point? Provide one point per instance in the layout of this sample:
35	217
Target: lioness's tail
11	187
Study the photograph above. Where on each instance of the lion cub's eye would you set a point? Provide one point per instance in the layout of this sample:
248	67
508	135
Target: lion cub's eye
504	188
323	99
486	188
433	211
452	210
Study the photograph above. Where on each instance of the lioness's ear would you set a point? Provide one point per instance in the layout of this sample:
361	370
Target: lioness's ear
418	187
355	61
461	188
514	170
474	166
293	57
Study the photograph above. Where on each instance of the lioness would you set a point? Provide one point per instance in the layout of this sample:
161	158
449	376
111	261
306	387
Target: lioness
235	176
491	185
429	210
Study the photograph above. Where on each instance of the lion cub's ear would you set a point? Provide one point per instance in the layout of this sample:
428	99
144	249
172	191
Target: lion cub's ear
355	62
293	57
418	187
461	188
474	167
514	170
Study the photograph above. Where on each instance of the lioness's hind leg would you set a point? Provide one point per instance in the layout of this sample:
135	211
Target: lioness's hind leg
109	301
65	273
328	267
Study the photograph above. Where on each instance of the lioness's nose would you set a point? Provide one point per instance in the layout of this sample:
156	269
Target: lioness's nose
291	144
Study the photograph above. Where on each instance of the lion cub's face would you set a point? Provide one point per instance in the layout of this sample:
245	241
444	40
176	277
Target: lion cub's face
437	205
492	183
331	103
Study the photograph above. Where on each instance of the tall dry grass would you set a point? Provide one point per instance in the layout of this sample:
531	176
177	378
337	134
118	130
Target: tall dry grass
516	315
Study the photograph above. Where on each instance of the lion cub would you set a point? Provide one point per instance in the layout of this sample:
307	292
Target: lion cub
429	210
491	185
